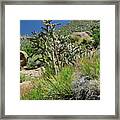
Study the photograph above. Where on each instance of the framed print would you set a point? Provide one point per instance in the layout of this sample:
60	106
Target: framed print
60	59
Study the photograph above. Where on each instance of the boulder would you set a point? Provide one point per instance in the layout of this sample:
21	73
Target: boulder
23	58
82	34
26	87
32	73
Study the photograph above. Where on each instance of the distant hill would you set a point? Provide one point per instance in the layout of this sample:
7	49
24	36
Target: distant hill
79	25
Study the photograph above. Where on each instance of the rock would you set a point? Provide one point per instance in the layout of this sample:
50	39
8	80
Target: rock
23	58
82	34
86	89
32	73
80	37
26	87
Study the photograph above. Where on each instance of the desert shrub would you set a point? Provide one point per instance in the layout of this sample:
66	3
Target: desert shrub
96	35
84	88
25	45
31	64
34	62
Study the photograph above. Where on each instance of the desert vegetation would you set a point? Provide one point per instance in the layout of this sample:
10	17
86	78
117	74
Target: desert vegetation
61	63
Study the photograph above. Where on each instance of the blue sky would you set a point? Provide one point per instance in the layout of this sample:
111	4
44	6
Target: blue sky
28	26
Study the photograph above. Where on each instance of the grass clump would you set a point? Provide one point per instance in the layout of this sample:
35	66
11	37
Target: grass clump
53	87
24	78
90	66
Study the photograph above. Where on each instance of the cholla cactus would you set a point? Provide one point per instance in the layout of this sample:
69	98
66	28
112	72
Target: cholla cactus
56	51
